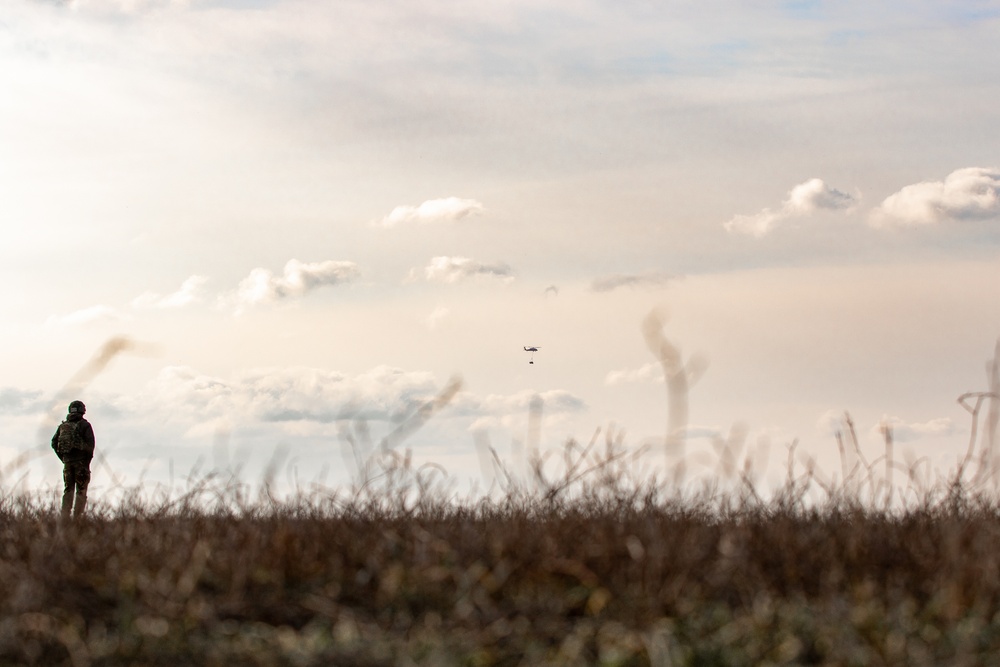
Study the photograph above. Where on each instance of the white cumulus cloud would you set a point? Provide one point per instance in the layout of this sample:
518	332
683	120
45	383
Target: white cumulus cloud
965	194
834	421
188	293
903	431
21	402
91	315
511	410
297	279
290	394
448	209
651	372
647	279
436	316
803	200
123	6
454	269
815	195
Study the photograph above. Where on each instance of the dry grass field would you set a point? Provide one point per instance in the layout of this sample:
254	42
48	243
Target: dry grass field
584	569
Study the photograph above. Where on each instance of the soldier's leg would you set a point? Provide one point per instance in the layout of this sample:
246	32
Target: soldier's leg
69	488
82	482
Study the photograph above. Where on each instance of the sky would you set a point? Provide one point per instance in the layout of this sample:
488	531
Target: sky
288	225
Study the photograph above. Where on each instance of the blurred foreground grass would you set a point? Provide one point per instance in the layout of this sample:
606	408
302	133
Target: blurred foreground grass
611	574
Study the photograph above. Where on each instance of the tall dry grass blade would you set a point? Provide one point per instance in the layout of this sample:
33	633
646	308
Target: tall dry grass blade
532	438
679	378
423	414
993	414
728	449
499	465
536	407
359	450
481	439
849	422
973	410
886	429
87	373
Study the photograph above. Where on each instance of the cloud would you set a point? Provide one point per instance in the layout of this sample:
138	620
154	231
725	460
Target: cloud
290	394
449	209
832	422
302	394
123	6
651	372
189	292
85	316
965	194
648	279
803	200
906	432
298	278
703	432
509	410
455	269
815	195
553	400
436	316
21	402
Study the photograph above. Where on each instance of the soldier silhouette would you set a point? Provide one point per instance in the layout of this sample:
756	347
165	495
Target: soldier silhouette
73	443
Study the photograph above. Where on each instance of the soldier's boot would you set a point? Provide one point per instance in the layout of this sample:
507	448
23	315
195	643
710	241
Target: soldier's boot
80	506
69	490
67	503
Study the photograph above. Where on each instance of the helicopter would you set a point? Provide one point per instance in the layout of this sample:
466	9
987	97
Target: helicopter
532	349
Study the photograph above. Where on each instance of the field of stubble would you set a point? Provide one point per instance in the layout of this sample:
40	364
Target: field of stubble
589	572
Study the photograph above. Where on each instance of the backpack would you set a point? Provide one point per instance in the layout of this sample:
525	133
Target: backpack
69	437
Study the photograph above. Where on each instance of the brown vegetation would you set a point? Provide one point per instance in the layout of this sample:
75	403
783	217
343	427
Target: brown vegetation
582	570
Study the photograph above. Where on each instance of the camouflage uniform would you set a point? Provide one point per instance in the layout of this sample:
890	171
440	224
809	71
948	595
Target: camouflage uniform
73	443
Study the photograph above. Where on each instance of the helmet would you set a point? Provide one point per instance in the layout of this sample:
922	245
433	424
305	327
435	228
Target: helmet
77	407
